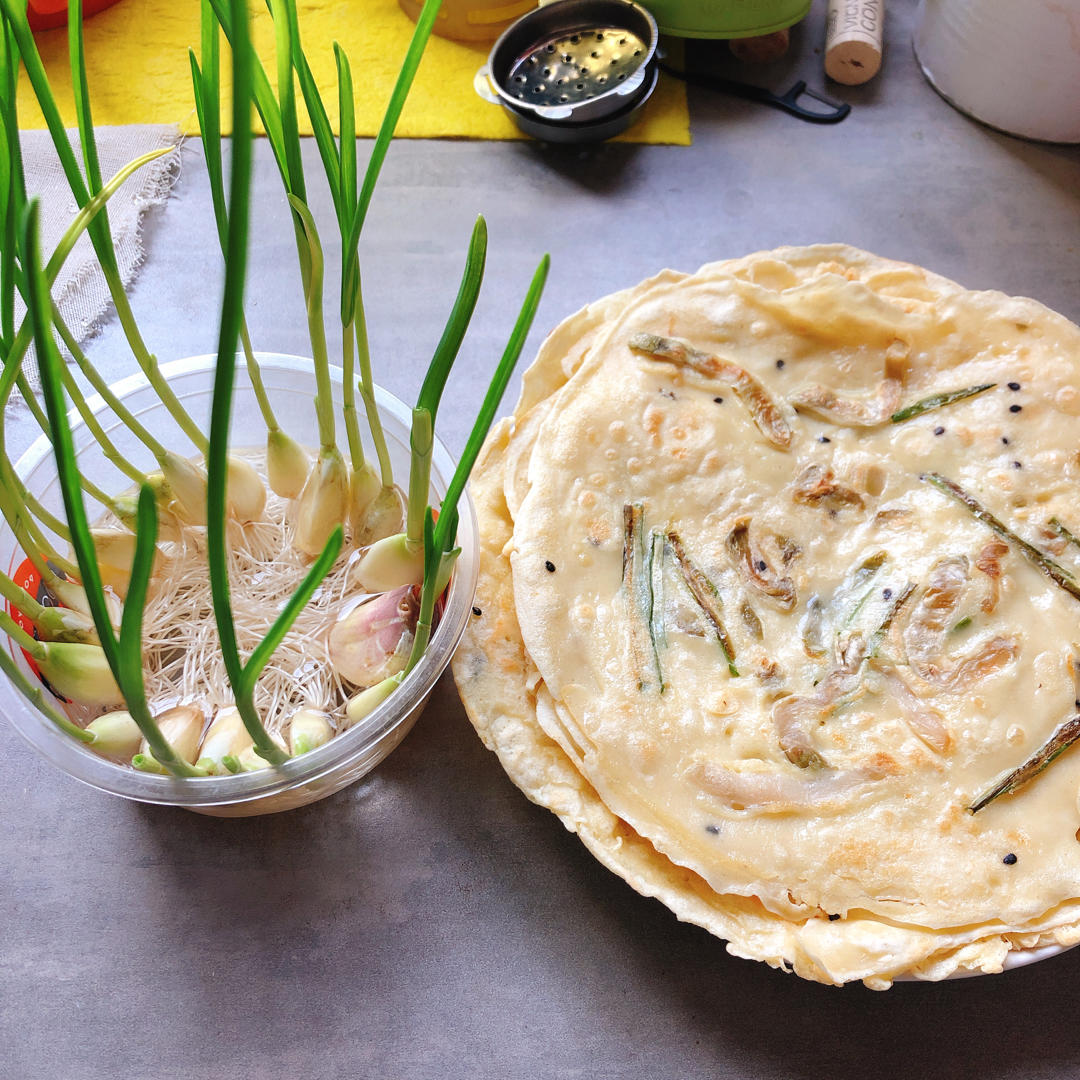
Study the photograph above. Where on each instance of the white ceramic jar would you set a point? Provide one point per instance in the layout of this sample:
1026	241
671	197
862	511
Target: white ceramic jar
1013	64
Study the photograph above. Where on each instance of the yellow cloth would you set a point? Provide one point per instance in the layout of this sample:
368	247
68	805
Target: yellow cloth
139	73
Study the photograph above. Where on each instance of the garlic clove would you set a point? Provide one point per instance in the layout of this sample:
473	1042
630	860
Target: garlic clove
364	488
390	563
374	640
187	484
324	502
384	517
250	760
115	550
287	464
66	624
115	735
181	727
368	700
245	494
309	729
79	671
225	737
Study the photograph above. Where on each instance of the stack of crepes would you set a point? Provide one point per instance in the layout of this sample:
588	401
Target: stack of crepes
778	609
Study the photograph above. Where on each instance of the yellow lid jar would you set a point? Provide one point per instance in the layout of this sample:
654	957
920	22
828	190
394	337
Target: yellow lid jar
472	20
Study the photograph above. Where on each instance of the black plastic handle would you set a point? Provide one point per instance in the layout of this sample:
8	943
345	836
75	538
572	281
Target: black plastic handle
788	101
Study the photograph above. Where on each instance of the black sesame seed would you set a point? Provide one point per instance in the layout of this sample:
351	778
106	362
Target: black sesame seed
824	439
1017	465
887	593
1014	386
718	400
762	566
549	566
833	918
779	365
477	612
939	431
1015	408
714	829
1004	440
1009	859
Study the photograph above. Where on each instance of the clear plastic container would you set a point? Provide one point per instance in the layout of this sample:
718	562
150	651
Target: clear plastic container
290	383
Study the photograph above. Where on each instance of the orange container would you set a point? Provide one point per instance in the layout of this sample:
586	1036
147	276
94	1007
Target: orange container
472	20
49	14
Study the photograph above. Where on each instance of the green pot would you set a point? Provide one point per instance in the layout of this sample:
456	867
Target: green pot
725	18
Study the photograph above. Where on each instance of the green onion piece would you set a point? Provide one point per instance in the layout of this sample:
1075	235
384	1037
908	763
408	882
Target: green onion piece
637	585
705	592
657	559
647	598
963	624
1064	533
812	628
1060	741
936	401
1057	574
898	601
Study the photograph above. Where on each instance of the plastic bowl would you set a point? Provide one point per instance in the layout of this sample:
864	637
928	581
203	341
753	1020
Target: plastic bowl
290	384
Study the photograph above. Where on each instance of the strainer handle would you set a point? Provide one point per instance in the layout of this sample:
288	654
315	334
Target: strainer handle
483	86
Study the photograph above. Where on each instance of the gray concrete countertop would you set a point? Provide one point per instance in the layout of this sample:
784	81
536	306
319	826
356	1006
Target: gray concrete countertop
429	921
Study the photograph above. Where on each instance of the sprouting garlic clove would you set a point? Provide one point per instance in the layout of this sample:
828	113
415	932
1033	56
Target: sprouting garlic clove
364	488
72	595
287	464
115	550
113	547
251	761
66	624
225	737
374	640
187	485
309	729
368	700
324	502
385	516
79	671
390	563
116	735
181	727
245	494
125	507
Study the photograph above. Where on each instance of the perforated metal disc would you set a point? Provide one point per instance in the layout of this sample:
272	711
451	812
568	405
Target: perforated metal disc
576	67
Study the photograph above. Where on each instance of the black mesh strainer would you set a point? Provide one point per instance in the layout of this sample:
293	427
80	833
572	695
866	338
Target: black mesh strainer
572	60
